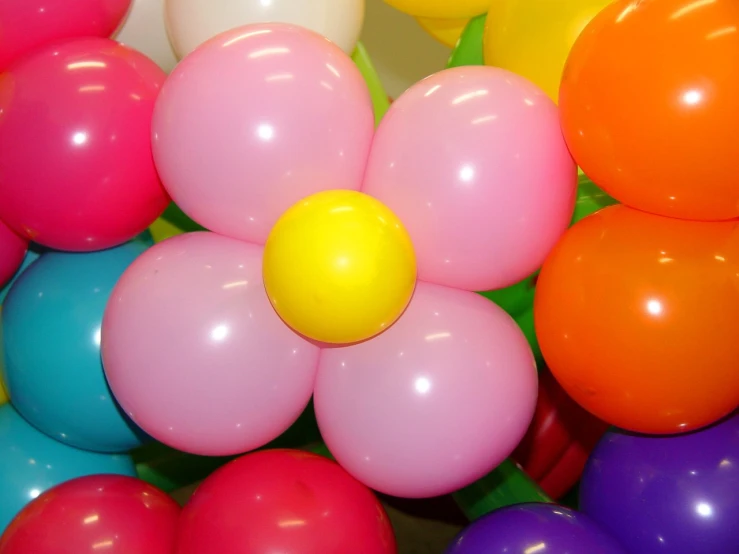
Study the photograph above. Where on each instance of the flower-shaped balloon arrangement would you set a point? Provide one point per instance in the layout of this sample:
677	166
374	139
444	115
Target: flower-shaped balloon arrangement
214	343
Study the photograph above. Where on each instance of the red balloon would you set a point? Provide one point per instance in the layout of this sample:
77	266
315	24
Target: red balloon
13	249
113	514
284	501
76	165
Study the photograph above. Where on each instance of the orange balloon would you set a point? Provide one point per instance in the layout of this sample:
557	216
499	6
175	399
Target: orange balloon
649	103
637	316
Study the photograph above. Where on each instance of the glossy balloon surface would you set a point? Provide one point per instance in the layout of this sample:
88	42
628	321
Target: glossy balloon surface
99	513
52	321
284	501
673	495
446	31
648	106
75	145
441	9
637	315
13	250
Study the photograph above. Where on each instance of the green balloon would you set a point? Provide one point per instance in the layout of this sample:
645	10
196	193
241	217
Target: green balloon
515	299
590	199
468	50
380	100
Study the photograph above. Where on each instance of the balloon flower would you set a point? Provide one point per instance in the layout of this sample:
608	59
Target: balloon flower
340	261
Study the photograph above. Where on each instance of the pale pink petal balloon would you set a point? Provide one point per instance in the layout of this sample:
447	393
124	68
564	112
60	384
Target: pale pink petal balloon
194	352
256	119
435	402
13	249
473	161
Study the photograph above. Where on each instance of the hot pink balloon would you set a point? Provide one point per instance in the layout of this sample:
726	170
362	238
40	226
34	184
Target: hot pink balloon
435	402
75	145
256	119
194	352
28	24
473	162
13	249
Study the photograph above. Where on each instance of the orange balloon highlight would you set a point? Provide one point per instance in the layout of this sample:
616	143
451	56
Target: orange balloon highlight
649	105
637	317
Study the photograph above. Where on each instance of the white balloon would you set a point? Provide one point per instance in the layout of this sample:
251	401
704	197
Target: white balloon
144	30
192	22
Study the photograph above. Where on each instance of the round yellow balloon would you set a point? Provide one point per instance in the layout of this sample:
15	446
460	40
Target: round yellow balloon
534	37
446	31
3	394
441	9
339	267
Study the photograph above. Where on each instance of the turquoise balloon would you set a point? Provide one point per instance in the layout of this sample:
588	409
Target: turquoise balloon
31	256
31	462
51	336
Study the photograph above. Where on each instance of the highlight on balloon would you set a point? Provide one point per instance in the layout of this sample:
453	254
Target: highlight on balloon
250	304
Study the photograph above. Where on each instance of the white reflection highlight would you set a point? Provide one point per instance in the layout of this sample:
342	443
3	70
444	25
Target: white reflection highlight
654	307
269	52
703	509
219	333
692	97
437	336
246	35
536	548
469	96
422	385
86	65
79	138
467	173
266	132
685	10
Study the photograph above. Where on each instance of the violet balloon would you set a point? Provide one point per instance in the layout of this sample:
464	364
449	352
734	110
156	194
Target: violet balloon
473	162
75	145
432	404
254	120
673	494
194	352
539	528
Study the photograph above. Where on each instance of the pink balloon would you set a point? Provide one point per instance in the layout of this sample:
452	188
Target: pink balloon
194	352
75	145
435	402
28	24
473	162
12	252
256	119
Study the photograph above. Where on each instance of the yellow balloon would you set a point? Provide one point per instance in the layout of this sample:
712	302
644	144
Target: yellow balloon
339	267
446	31
534	37
441	9
162	229
3	394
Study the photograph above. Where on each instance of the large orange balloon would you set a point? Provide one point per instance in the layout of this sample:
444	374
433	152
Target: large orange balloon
637	316
650	105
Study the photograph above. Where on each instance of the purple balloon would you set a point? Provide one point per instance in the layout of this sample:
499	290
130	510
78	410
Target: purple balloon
676	494
539	528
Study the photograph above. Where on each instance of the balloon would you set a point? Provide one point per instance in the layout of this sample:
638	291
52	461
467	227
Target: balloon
76	154
110	513
194	352
355	261
536	527
29	24
667	494
648	106
441	9
468	50
637	316
3	394
144	30
433	403
13	250
590	199
473	163
193	22
31	462
380	100
51	326
532	38
239	139
446	31
284	501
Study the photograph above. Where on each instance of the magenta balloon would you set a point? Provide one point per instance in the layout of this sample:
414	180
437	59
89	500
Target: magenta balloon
435	402
194	352
75	145
473	162
13	250
28	24
256	119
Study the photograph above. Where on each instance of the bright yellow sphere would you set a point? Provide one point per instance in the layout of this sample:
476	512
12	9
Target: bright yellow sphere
441	9
446	31
339	267
534	37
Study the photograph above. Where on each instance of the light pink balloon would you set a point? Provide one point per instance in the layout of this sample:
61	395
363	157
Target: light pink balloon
473	161
256	119
194	352
13	249
434	403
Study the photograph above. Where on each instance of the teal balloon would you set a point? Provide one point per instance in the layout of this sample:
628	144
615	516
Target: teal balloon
31	463
52	367
31	256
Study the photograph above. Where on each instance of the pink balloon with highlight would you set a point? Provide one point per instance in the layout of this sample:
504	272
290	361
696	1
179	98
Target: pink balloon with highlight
28	24
432	404
75	145
256	119
13	249
473	161
194	352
